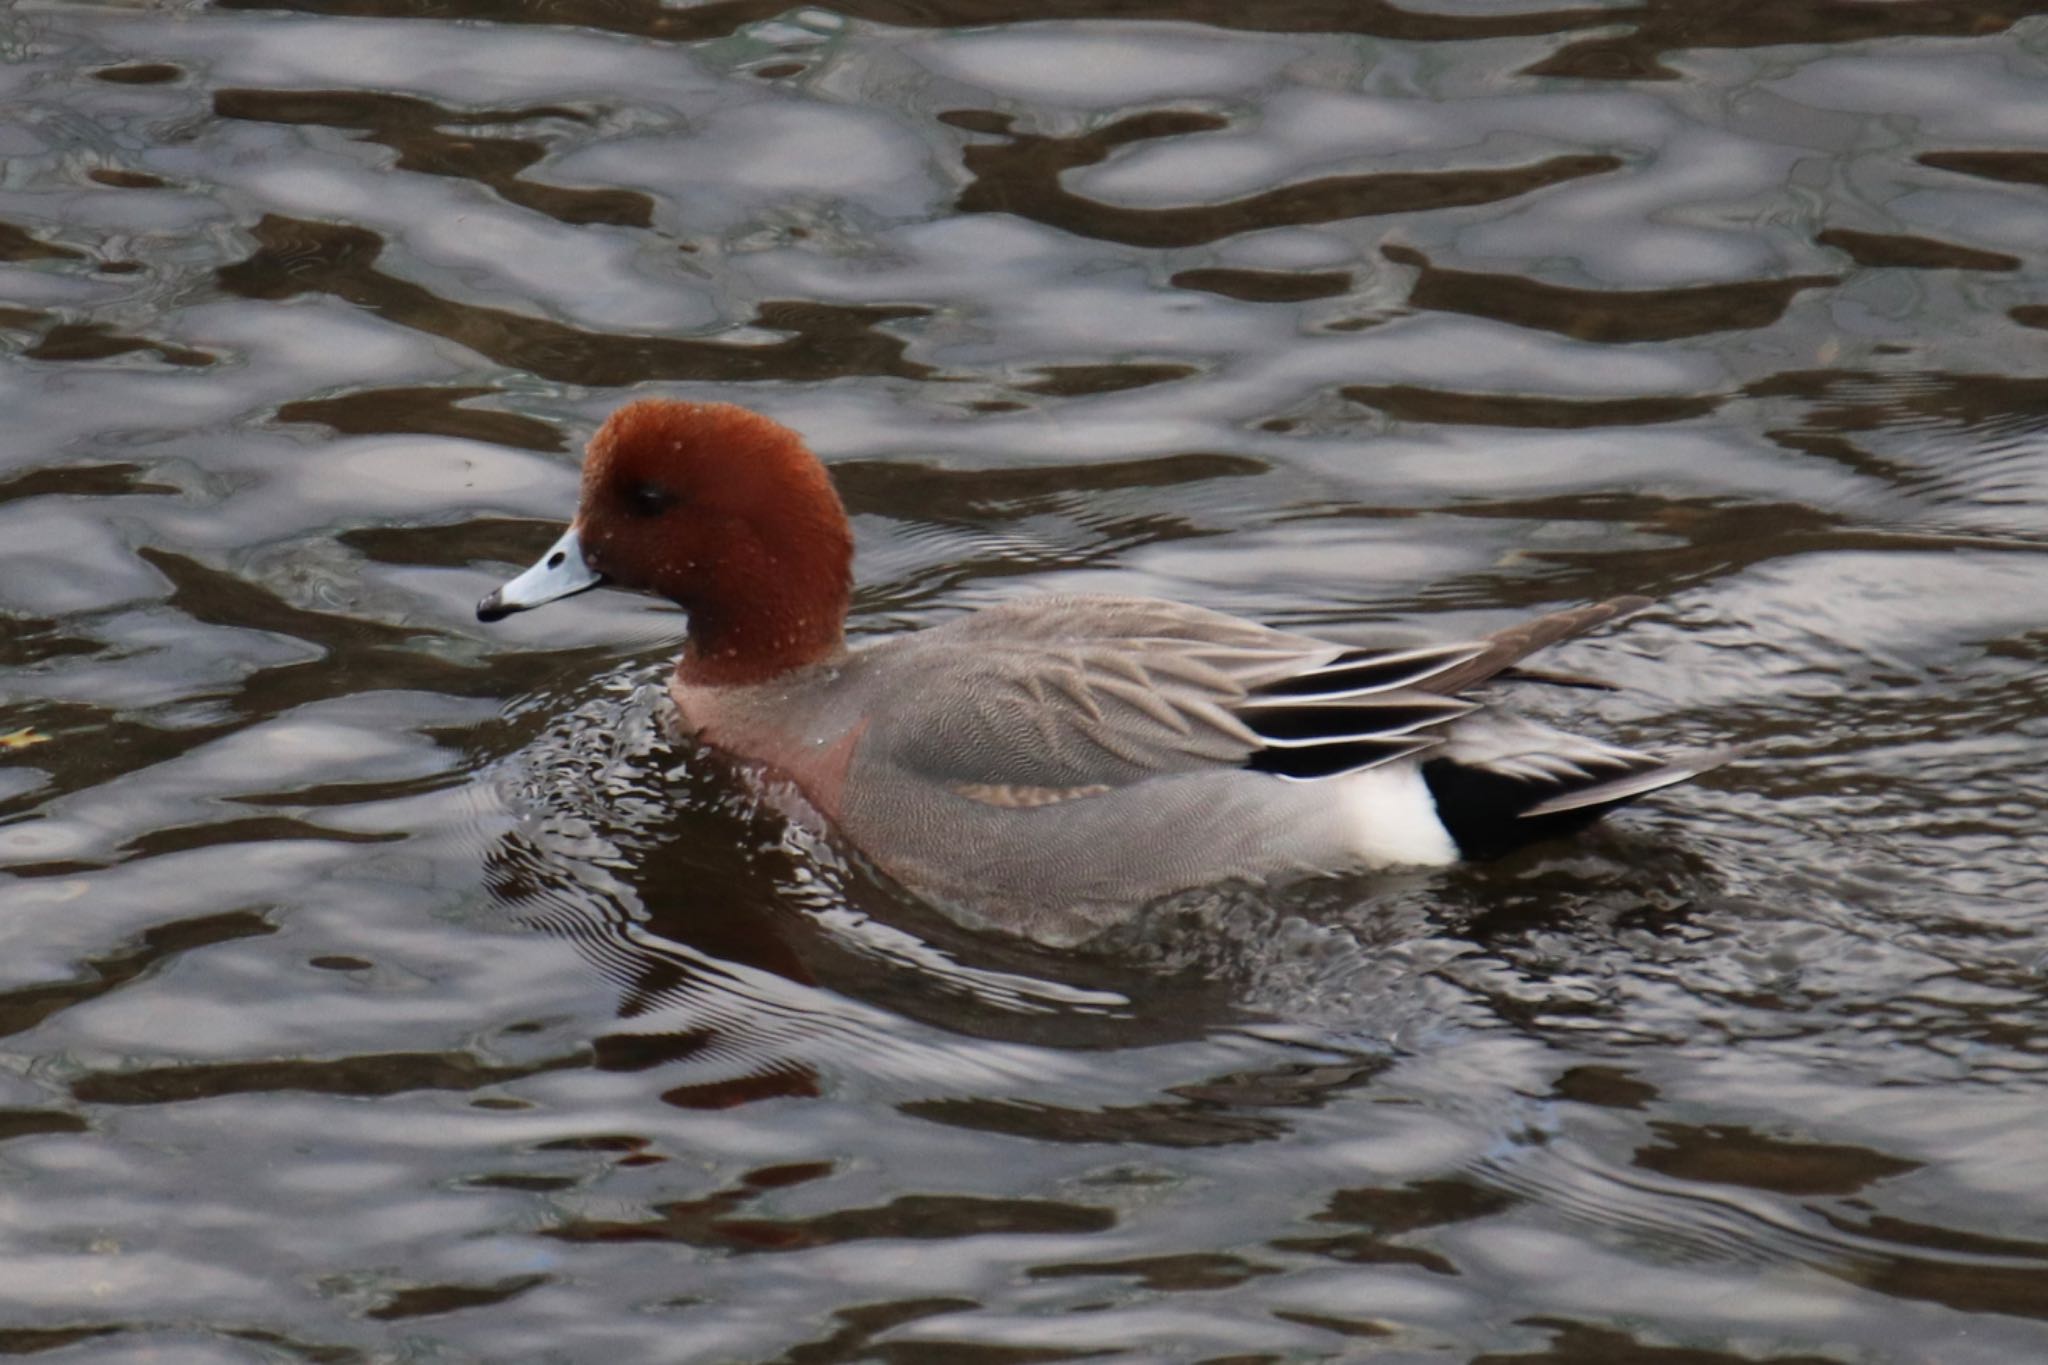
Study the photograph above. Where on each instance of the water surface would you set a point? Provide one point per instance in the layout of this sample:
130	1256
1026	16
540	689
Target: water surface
378	985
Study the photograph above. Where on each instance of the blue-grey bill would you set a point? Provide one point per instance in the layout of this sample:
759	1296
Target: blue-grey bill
559	573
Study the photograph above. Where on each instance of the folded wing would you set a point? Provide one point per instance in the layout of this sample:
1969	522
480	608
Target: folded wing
1063	699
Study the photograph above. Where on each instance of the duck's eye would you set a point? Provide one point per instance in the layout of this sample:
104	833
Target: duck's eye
646	499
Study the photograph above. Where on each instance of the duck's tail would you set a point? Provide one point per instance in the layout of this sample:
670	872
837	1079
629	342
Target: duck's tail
1500	781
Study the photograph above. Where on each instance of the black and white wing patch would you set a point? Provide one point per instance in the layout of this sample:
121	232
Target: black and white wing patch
1356	711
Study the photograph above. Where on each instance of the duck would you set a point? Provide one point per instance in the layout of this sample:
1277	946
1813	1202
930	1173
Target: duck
1048	765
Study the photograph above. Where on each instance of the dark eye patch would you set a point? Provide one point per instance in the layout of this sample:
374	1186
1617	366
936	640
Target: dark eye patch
644	498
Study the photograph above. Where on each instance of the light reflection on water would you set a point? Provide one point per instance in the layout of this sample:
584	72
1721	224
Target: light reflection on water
378	984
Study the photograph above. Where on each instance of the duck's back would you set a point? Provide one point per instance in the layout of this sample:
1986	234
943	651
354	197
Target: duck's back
1052	762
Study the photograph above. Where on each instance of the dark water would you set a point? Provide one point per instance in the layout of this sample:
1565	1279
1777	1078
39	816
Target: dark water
382	986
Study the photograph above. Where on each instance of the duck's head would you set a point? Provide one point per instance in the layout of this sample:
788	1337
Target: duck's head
721	511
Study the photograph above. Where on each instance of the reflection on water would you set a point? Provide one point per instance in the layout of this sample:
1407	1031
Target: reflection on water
1021	176
296	256
378	986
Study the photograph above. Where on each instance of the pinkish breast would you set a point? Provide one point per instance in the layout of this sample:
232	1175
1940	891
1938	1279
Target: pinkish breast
733	720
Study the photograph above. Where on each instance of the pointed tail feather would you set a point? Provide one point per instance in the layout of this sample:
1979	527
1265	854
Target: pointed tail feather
1619	790
1489	812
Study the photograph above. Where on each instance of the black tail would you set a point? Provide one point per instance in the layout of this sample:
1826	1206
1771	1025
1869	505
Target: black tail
1489	812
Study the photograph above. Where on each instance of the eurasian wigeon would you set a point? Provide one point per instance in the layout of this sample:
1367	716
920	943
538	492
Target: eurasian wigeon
1048	764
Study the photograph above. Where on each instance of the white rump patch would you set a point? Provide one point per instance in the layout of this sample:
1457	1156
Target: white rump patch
1393	818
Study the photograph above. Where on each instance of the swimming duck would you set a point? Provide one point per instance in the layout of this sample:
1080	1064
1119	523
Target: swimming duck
1046	765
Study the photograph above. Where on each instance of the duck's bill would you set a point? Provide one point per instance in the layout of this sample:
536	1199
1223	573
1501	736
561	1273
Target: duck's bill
559	573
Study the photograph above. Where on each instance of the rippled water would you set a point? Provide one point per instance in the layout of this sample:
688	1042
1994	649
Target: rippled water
378	985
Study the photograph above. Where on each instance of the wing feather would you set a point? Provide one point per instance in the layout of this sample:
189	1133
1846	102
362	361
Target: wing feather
1338	758
1081	695
1360	672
